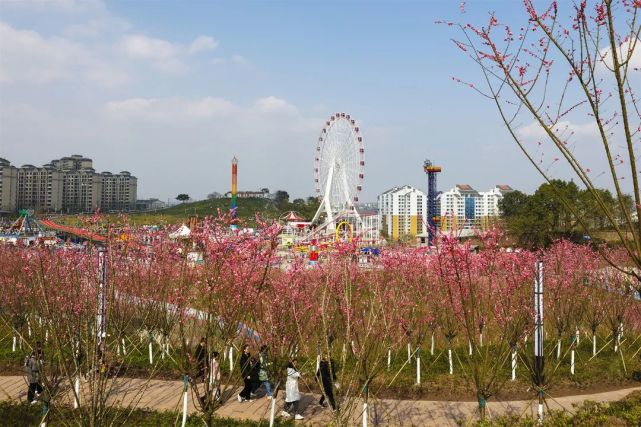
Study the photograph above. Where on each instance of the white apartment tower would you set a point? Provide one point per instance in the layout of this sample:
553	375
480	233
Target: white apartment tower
464	208
402	212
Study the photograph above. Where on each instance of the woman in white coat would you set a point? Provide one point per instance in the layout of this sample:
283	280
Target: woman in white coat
292	395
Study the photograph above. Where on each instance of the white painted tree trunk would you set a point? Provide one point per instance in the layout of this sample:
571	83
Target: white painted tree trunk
593	345
151	354
481	339
572	362
29	328
318	358
418	369
76	400
432	346
272	412
578	336
15	341
513	365
124	349
47	335
184	421
364	414
540	414
469	347
231	359
409	352
389	358
558	349
449	358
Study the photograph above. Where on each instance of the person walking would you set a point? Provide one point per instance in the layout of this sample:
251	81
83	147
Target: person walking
263	373
33	364
292	395
215	375
245	371
326	375
254	374
201	358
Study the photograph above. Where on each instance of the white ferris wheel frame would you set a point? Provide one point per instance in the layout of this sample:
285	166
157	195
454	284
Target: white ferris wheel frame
339	166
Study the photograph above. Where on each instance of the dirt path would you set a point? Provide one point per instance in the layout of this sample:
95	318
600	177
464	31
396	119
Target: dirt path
166	395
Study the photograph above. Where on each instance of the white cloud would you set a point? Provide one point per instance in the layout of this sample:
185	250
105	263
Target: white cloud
635	55
563	129
27	56
272	104
210	107
239	59
173	109
165	55
143	47
203	43
96	27
70	6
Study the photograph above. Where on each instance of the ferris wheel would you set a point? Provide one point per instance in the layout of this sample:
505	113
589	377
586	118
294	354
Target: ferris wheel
339	166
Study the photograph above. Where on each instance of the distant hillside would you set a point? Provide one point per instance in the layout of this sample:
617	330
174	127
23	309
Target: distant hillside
247	209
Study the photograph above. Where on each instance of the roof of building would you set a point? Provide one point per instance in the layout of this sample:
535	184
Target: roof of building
504	187
404	187
465	187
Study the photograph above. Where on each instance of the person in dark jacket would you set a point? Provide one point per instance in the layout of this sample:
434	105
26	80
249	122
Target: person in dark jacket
245	371
201	358
326	375
254	371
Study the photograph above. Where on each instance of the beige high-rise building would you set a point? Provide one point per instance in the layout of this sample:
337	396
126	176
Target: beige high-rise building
39	189
82	186
69	184
119	191
8	186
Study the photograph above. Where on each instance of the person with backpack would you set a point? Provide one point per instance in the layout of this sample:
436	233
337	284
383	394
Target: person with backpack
263	373
33	365
292	395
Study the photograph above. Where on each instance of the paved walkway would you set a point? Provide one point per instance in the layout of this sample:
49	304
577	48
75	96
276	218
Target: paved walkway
166	395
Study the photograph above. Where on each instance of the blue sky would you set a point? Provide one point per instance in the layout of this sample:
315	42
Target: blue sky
171	91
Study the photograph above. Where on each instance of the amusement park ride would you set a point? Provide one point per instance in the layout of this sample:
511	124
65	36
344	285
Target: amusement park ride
339	165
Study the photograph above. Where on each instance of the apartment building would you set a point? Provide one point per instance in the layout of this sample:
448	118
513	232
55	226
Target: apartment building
39	188
464	208
119	191
8	186
69	185
402	212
